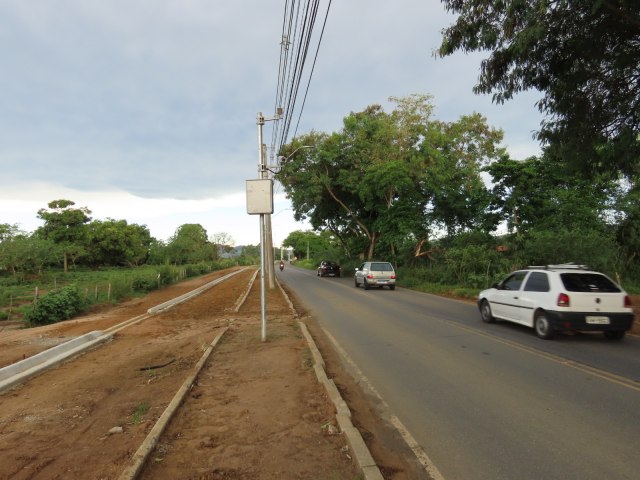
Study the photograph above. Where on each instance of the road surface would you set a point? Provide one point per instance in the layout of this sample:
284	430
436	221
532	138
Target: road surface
486	401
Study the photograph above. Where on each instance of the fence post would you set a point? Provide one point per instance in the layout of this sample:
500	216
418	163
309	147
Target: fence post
109	293
95	297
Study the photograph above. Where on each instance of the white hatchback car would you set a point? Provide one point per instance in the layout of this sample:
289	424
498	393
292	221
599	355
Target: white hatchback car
556	298
375	274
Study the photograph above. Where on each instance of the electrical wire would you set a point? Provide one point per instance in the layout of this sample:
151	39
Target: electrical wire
297	34
315	58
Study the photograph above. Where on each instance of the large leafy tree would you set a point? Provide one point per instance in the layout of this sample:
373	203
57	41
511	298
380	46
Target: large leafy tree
389	177
352	180
582	55
458	152
66	226
117	243
538	193
310	244
190	245
628	223
20	252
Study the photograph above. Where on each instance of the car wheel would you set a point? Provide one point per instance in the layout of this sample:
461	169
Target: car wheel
355	279
614	334
485	312
392	287
542	326
318	273
366	285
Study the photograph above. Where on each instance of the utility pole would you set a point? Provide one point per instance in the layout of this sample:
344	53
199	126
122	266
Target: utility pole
262	168
266	250
269	236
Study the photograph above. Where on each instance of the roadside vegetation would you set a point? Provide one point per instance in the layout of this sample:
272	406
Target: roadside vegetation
446	204
72	264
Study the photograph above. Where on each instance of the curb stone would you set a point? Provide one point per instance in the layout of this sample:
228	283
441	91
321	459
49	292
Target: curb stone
359	449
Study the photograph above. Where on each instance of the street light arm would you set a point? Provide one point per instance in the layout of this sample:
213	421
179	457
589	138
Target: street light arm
282	159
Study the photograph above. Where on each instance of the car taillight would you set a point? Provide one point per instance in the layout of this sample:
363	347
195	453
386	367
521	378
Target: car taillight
393	276
627	301
563	300
369	276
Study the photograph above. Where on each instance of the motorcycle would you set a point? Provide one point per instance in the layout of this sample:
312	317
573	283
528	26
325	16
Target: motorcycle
281	266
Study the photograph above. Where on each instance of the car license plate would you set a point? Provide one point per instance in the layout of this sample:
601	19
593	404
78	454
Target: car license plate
382	281
592	320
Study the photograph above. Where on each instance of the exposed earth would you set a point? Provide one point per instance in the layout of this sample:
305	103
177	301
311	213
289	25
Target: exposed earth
256	410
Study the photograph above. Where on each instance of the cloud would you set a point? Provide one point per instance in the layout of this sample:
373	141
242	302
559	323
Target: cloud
156	100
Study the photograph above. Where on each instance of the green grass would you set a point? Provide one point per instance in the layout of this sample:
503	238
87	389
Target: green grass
138	414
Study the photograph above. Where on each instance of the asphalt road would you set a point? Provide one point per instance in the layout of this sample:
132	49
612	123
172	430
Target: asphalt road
487	401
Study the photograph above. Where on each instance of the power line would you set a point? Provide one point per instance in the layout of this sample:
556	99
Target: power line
315	58
297	34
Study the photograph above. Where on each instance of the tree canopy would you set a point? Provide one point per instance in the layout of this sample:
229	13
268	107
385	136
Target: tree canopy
389	177
65	225
582	55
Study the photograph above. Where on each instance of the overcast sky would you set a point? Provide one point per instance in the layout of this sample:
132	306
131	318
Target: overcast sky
145	110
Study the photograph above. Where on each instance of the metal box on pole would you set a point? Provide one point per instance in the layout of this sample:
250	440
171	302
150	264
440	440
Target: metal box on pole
259	196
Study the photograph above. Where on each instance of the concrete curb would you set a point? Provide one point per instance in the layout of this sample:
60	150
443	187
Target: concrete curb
183	298
23	370
142	454
359	449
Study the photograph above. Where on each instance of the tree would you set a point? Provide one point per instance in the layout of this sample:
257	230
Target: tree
23	253
65	226
391	176
628	224
116	243
352	182
223	242
538	193
459	150
583	55
190	245
8	231
307	244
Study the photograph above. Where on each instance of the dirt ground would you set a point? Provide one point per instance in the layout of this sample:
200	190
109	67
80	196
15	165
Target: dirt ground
256	410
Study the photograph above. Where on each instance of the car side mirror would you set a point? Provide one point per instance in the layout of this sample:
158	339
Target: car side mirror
496	285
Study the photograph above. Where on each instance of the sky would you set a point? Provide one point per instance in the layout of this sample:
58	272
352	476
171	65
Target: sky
145	110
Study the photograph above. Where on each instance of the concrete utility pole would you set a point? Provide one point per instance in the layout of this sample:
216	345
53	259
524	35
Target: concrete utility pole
263	297
266	249
269	236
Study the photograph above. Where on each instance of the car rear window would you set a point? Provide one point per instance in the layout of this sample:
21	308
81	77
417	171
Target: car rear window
381	267
588	282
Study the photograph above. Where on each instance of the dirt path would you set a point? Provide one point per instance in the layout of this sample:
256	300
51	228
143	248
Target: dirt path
255	412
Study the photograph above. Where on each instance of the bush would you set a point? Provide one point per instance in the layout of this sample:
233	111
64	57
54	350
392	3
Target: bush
120	289
144	283
56	306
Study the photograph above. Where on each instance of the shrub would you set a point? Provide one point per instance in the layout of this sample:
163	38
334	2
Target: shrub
120	288
56	306
144	283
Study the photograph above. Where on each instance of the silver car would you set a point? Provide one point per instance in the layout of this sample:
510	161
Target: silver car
375	274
